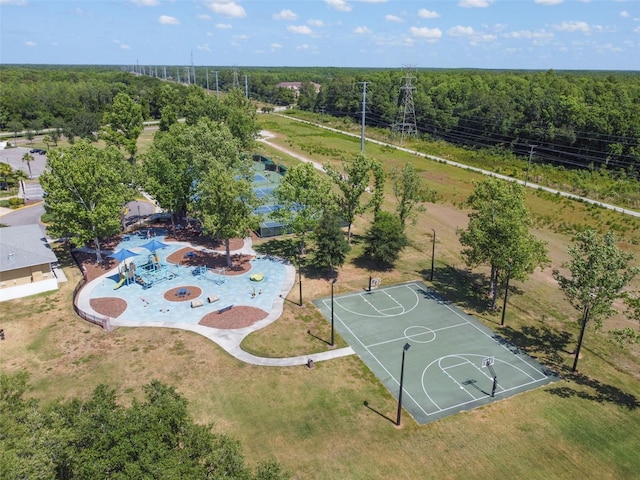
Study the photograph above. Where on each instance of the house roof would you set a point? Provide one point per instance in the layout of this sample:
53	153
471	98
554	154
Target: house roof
24	246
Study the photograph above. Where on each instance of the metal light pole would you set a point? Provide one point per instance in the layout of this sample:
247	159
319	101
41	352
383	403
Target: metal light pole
506	294
300	279
404	350
433	253
332	330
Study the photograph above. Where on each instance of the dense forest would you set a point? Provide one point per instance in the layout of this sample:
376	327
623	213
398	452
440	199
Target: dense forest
570	119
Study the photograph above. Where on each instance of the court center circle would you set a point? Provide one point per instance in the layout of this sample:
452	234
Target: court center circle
419	334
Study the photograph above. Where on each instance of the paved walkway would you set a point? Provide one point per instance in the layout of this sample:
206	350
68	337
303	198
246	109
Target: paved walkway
229	340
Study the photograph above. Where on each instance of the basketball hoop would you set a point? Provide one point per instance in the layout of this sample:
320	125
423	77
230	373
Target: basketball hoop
488	362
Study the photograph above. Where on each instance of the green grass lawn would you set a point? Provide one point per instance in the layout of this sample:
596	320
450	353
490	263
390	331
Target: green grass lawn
314	421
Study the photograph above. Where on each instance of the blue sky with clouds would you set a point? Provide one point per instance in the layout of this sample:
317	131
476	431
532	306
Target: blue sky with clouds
496	34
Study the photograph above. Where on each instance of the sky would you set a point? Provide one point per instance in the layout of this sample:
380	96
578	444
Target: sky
490	34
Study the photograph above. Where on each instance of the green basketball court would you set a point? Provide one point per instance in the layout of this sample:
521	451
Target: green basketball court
452	360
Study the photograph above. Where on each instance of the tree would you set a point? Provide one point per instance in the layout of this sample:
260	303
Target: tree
178	160
226	204
47	140
168	116
122	124
353	182
303	195
307	96
85	190
99	438
28	158
498	234
599	272
410	192
385	239
331	246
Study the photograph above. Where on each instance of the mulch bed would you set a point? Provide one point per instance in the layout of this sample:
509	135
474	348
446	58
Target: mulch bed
192	292
236	317
191	257
111	307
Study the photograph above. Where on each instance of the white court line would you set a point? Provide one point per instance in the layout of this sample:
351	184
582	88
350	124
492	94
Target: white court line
382	315
379	363
500	345
417	335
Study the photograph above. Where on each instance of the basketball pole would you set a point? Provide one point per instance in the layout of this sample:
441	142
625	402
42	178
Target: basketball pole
300	279
433	253
495	381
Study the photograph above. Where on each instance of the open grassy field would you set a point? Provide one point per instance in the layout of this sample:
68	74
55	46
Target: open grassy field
314	421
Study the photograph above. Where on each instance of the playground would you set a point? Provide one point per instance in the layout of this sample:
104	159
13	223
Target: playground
159	282
446	359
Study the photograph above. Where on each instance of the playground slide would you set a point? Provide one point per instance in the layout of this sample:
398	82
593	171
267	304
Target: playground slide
119	284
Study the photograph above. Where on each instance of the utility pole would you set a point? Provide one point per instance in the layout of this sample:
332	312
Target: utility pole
207	75
526	179
236	82
217	91
246	86
193	69
364	109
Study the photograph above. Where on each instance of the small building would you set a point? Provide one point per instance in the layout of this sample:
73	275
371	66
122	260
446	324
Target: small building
295	86
26	262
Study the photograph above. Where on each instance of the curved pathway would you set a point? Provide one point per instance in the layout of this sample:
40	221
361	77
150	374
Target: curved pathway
229	339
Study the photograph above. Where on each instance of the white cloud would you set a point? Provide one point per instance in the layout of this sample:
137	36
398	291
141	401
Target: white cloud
460	31
424	32
241	37
19	3
285	14
424	13
393	18
474	3
123	46
304	46
339	5
548	2
316	23
204	47
227	9
372	1
361	30
275	45
167	20
146	3
636	30
204	16
223	26
29	43
301	29
575	26
528	34
624	14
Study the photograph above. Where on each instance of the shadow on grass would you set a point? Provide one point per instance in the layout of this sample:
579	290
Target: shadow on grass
548	346
540	342
600	392
286	248
367	263
366	404
460	287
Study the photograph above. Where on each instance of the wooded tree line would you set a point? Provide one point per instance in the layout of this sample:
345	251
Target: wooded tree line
100	438
575	120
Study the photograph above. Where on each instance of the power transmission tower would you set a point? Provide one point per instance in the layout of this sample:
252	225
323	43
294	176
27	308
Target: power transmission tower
364	109
246	86
406	124
193	69
236	82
